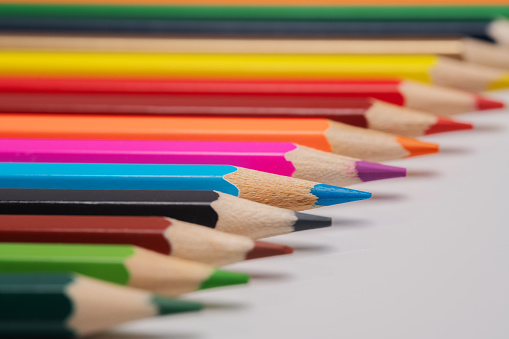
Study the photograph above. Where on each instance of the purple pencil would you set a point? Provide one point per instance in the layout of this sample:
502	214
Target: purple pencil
281	158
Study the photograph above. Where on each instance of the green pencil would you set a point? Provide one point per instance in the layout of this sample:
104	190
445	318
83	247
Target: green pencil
120	264
275	13
67	305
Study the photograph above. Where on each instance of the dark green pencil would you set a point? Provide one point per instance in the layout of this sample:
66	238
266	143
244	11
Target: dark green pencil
67	305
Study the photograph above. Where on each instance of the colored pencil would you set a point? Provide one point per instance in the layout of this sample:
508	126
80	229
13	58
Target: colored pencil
212	209
68	305
320	134
271	189
280	158
425	68
360	112
435	99
467	49
164	235
121	264
246	13
483	29
264	2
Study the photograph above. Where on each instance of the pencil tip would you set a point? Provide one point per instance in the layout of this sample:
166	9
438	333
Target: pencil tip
332	195
448	125
169	306
484	103
309	221
416	147
370	171
267	249
224	278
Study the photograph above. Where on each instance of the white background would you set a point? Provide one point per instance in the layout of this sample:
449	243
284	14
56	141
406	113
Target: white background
426	257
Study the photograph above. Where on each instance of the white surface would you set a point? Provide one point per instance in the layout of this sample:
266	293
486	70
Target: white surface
427	257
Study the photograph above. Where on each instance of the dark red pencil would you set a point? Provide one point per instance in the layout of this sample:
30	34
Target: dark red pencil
160	234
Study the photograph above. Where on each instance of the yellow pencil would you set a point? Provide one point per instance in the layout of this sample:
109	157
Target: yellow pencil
425	68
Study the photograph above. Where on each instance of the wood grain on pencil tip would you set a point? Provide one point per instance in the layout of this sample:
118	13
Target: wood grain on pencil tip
220	211
426	68
280	158
267	188
164	235
120	264
321	134
429	98
67	305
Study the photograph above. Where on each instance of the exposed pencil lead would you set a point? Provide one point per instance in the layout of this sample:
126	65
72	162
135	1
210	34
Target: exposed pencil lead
267	249
417	147
170	306
332	195
484	103
224	278
369	171
310	221
448	125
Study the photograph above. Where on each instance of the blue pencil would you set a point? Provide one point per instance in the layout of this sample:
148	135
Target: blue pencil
270	189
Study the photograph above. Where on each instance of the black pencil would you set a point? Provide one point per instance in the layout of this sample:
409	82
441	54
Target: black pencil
441	28
208	208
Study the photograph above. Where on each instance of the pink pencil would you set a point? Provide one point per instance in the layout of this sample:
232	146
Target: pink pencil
281	158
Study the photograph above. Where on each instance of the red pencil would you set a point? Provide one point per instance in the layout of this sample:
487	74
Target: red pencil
327	94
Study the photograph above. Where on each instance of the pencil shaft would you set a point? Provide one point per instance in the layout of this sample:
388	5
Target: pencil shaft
444	46
207	208
396	29
317	13
59	305
113	176
471	50
434	99
424	68
120	264
267	157
163	235
320	134
263	2
253	185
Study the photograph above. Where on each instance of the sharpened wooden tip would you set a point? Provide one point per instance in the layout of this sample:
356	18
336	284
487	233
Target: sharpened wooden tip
266	249
416	147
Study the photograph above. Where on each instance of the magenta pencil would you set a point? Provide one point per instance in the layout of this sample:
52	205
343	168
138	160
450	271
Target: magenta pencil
281	158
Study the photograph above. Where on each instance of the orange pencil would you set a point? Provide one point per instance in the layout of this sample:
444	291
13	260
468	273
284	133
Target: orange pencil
321	134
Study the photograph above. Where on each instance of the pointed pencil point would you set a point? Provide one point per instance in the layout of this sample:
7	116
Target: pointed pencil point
370	171
309	221
416	147
332	195
448	125
224	278
484	103
267	249
169	306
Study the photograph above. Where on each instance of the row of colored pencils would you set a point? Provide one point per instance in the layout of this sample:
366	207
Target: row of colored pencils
132	165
